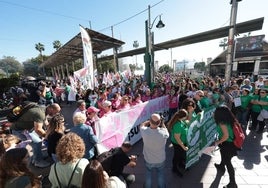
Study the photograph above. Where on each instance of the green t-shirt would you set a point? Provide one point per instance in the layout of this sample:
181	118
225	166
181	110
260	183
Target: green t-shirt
245	100
264	99
180	128
230	132
256	107
26	121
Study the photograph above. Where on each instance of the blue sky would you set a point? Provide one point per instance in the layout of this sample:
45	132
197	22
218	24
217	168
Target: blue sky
25	23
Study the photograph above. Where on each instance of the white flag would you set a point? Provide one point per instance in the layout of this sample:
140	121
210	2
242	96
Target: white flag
88	58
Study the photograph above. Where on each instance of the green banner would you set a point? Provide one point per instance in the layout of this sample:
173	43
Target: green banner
202	132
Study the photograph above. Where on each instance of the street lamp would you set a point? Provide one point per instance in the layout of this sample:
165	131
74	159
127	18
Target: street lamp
149	54
136	45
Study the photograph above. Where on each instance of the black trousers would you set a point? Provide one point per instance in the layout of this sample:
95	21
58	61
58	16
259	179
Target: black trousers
179	157
254	116
227	151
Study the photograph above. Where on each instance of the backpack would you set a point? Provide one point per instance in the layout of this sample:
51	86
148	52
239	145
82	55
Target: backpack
239	136
18	111
70	180
106	159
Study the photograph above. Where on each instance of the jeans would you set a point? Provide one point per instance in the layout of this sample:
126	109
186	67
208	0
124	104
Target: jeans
242	117
36	142
160	167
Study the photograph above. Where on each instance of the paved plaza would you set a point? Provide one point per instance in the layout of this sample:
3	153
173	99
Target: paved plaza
251	165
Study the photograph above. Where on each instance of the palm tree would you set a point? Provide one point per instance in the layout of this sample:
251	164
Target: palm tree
40	47
56	44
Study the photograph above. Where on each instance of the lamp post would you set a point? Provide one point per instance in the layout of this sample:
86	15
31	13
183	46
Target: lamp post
136	45
149	54
230	47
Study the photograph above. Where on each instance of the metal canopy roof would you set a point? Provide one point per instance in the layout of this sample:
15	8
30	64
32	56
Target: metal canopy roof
243	27
73	49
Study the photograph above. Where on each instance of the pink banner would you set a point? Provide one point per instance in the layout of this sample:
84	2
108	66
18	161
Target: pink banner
122	126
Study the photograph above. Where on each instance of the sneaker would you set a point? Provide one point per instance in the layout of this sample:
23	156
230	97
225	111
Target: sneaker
41	164
230	185
219	168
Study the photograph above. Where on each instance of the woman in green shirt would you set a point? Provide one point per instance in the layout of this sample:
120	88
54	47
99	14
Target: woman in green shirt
179	128
242	111
255	109
263	102
225	119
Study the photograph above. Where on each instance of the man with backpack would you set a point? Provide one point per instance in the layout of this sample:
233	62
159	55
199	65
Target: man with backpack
30	124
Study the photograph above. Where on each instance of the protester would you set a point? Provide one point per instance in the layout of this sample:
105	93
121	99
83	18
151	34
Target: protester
225	119
52	110
31	123
92	116
102	98
81	107
259	83
199	94
67	90
242	112
228	98
152	132
147	95
246	85
58	93
179	128
95	176
263	101
136	99
14	171
255	109
41	92
120	160
71	165
189	105
10	141
54	133
173	102
116	101
107	108
86	133
124	104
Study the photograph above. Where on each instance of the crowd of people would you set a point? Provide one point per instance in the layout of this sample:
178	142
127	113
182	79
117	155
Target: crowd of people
73	152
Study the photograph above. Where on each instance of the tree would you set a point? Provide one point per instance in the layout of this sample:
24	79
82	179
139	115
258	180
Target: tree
200	66
10	65
132	67
105	66
56	44
40	48
31	67
165	68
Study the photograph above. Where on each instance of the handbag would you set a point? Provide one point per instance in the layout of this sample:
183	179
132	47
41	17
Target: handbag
69	183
